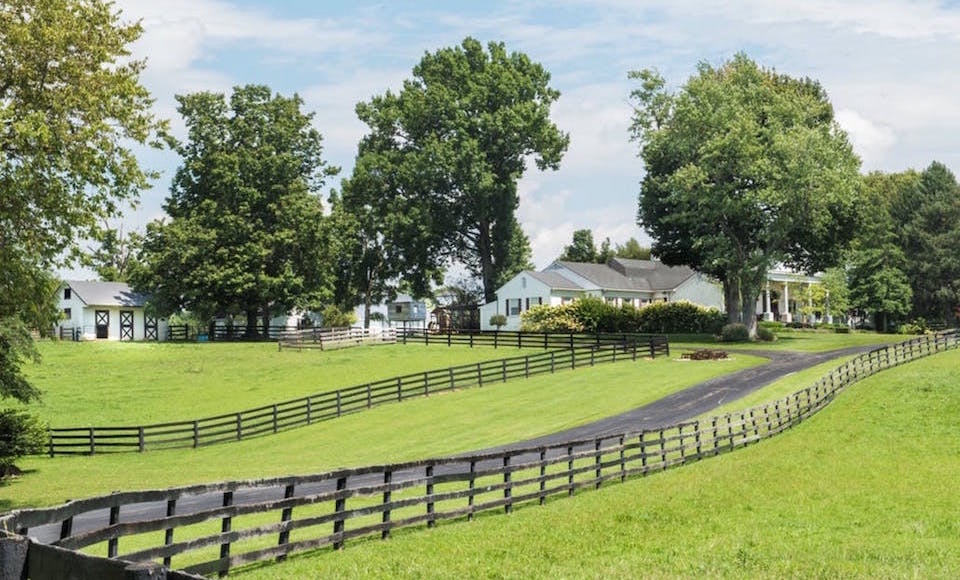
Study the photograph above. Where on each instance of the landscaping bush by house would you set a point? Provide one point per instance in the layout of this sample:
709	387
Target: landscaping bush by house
592	314
735	332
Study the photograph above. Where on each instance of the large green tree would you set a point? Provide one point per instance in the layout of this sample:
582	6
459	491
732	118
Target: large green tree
926	212
581	248
71	109
449	148
245	234
745	168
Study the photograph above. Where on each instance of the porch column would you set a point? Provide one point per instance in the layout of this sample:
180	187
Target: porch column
785	304
812	317
767	312
827	317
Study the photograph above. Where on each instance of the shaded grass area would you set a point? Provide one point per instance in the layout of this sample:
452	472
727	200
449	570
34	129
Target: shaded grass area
866	488
113	383
439	425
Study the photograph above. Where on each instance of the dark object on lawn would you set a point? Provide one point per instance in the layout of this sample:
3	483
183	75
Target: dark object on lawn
705	354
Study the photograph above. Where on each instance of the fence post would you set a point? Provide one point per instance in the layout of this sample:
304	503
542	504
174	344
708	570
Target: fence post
239	427
285	516
168	532
503	369
643	452
339	408
93	445
430	521
496	334
399	389
309	410
385	517
653	349
552	361
569	469
140	445
339	506
623	462
479	376
507	487
426	384
472	485
543	474
112	543
597	463
225	526
275	413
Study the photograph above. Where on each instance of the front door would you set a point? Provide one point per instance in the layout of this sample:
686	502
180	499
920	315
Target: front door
149	328
102	321
126	325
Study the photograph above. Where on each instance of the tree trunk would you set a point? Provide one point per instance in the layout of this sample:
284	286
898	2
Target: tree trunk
731	300
485	251
366	310
251	329
266	320
749	310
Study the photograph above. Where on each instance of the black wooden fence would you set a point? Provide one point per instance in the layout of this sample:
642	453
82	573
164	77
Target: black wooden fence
332	404
271	518
500	339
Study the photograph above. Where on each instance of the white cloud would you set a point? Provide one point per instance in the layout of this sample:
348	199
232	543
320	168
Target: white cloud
869	139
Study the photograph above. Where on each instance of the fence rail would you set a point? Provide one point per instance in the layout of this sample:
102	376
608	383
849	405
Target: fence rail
504	339
292	413
328	509
332	338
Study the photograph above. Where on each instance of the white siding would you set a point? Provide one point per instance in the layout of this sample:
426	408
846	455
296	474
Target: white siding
523	288
699	290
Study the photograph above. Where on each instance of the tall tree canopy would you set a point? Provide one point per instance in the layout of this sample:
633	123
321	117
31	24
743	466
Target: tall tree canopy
745	168
927	217
71	108
447	151
245	234
583	249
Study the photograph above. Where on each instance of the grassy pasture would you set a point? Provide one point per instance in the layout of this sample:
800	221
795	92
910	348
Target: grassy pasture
112	383
866	489
441	424
797	340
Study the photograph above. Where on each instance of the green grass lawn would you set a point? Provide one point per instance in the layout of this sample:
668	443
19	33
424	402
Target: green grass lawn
113	383
439	425
800	340
864	489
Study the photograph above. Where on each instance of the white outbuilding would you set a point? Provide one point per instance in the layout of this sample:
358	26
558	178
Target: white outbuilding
93	310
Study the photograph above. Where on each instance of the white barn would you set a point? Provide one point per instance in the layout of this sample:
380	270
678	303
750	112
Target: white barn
620	281
105	311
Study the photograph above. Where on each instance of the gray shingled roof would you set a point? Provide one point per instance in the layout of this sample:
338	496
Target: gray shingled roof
632	275
554	280
106	293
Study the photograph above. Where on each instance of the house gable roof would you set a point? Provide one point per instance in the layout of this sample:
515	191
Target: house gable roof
106	293
630	275
554	280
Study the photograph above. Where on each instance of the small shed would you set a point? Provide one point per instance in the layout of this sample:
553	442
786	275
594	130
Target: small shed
407	311
94	310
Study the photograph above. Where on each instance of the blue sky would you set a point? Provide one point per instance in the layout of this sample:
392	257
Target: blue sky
891	68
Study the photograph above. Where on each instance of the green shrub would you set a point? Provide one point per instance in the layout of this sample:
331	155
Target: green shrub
735	332
546	318
841	329
774	325
20	434
679	317
334	317
596	314
765	334
498	320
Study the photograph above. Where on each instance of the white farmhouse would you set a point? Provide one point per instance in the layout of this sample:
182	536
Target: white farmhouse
620	281
105	311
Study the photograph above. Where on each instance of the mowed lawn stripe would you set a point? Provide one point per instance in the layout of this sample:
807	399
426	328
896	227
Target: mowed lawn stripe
107	384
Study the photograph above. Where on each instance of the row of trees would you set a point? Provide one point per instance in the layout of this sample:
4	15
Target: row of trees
583	249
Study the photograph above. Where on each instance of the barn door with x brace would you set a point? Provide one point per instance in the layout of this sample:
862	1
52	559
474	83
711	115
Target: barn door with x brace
102	321
126	325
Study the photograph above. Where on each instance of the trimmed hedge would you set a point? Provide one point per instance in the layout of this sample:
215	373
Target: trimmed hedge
592	314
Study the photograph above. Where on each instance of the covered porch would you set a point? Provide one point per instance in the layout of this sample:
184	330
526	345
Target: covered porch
788	297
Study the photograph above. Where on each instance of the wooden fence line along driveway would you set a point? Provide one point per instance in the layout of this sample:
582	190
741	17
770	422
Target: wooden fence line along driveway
290	514
329	405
